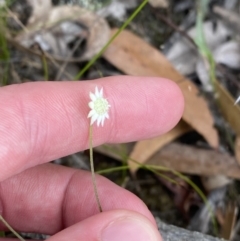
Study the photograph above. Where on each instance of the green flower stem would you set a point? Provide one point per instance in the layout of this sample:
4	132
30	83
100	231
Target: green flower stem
92	168
45	67
11	229
113	169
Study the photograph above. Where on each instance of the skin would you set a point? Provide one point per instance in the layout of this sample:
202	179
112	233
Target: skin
43	121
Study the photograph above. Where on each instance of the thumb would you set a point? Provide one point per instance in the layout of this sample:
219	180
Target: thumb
117	225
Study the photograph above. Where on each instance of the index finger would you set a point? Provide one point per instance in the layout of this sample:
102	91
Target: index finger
43	121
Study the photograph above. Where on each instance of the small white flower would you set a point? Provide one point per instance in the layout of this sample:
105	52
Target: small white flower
99	107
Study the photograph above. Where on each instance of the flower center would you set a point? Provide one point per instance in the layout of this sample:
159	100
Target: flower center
101	106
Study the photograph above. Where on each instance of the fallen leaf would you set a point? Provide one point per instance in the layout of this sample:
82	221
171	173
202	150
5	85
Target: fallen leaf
237	149
183	54
117	9
230	112
230	217
40	9
228	54
134	56
26	12
192	160
211	183
230	17
143	150
62	32
159	3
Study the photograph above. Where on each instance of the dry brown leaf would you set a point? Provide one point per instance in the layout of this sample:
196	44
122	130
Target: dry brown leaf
159	3
40	9
237	149
99	31
134	56
143	150
230	217
230	17
211	183
192	160
62	27
230	111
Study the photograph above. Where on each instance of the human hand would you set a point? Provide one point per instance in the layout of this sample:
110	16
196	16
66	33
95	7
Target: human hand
43	121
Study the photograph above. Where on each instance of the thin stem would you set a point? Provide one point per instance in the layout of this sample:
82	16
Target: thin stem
11	229
92	168
93	60
113	169
45	67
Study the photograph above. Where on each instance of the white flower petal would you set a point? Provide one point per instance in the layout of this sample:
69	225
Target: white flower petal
96	92
91	113
94	118
92	96
99	120
91	104
101	92
103	119
107	115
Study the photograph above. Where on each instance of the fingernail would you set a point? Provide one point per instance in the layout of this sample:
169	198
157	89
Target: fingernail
129	229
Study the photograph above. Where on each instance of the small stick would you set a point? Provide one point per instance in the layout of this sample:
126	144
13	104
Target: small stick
11	229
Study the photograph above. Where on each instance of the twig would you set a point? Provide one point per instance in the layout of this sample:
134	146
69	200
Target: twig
64	65
29	51
174	26
17	20
11	229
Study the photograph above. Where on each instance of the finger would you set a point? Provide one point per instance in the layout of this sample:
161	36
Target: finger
46	120
49	198
114	225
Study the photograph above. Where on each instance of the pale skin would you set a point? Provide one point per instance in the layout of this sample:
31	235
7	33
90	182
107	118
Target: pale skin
43	121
